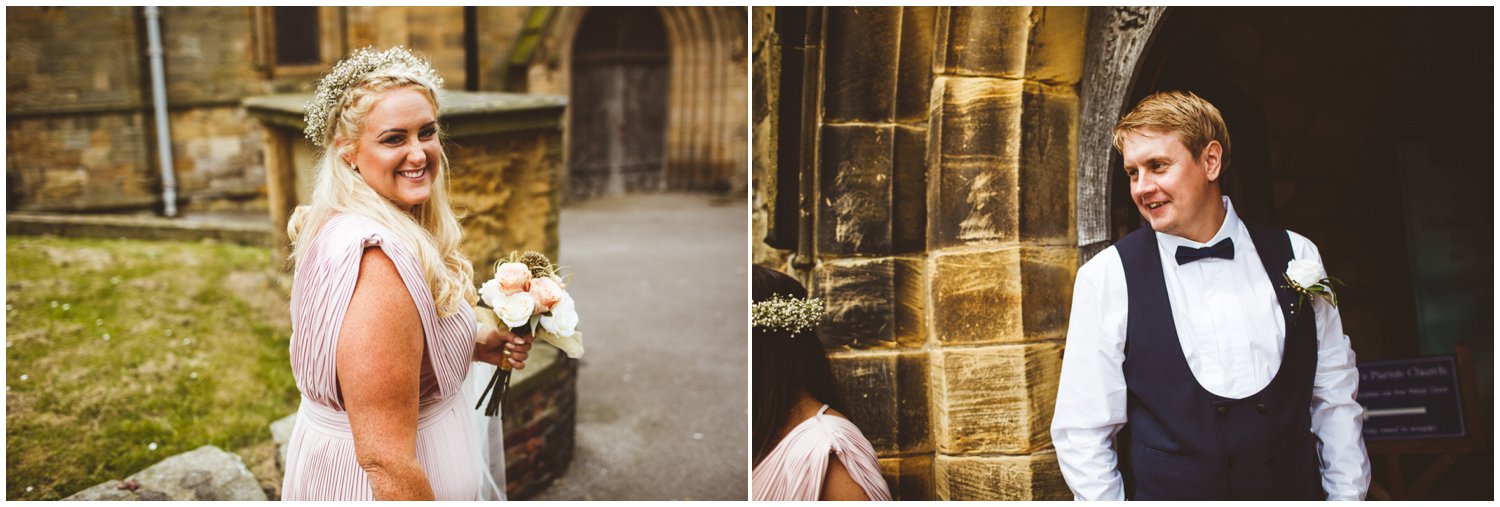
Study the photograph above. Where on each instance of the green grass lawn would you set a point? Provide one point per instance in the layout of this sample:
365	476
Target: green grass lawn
121	353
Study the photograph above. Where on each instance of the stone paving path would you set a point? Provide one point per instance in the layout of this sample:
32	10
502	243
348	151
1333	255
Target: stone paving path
662	287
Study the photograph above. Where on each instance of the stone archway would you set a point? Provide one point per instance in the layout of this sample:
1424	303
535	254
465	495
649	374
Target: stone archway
1117	37
706	111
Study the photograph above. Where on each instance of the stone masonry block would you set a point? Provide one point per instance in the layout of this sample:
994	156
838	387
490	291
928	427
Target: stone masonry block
994	399
909	477
976	297
911	301
854	182
869	383
913	426
1047	291
860	64
973	147
1054	52
1031	477
1049	143
887	397
982	41
859	303
909	191
914	79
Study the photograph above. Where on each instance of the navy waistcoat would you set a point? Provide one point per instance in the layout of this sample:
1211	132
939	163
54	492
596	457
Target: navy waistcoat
1181	442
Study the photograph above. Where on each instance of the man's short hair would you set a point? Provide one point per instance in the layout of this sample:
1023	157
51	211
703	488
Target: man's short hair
1194	120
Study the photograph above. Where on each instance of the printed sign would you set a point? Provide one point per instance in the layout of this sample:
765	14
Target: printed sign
1411	398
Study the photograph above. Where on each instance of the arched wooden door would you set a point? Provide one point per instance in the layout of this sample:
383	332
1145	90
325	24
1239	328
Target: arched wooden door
618	112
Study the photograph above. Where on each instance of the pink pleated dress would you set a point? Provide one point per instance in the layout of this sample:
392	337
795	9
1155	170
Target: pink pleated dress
795	469
320	462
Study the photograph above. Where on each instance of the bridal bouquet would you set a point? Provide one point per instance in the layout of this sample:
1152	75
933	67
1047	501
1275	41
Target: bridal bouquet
530	298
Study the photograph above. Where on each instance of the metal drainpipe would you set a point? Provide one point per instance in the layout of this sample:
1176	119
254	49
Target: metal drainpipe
159	102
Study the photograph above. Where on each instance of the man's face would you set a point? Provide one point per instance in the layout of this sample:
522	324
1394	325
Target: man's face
1173	189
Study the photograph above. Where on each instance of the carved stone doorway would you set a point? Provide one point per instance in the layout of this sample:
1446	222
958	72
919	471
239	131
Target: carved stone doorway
618	104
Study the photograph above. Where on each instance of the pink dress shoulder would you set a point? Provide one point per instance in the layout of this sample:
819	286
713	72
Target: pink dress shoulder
795	469
320	463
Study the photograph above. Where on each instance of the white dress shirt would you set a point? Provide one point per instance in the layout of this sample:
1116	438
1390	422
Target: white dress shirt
1231	331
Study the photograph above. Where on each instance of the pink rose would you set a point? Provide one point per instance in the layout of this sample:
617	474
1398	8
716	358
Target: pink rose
513	277
547	293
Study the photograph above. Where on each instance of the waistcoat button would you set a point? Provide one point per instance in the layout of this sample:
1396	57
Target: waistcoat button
1262	409
1223	410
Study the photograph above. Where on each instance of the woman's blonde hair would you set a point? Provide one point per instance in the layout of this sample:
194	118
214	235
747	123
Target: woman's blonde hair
431	228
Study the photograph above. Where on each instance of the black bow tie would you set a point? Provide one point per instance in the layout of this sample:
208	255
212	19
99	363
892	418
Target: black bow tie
1223	250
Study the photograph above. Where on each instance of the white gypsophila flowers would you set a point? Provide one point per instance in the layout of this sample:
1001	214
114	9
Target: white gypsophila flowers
348	73
786	313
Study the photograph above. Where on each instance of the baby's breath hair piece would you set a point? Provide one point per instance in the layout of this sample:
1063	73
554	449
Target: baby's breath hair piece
790	314
350	72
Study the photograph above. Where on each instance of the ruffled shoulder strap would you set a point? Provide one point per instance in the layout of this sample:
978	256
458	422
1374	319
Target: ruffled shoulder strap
796	468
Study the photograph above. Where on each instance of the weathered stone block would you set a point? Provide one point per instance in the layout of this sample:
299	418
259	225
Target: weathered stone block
1033	477
887	395
976	297
994	399
973	145
982	41
205	473
914	79
860	63
913	422
1047	291
1049	143
506	187
911	301
909	191
870	382
854	181
859	301
908	477
1054	52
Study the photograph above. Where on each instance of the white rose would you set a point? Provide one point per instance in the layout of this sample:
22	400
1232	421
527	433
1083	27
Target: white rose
515	310
491	294
563	320
1305	273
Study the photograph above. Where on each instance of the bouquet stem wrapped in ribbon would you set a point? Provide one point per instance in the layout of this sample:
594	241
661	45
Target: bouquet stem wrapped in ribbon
529	297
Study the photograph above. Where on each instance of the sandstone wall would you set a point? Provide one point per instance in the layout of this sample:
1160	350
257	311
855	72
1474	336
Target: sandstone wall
936	163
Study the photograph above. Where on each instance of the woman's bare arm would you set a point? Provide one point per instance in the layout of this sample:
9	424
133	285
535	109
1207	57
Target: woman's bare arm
379	371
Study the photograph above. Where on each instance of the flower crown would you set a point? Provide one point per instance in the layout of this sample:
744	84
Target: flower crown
350	72
790	314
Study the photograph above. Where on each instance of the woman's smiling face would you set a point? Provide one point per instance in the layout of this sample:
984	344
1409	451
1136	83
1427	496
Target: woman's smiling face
397	152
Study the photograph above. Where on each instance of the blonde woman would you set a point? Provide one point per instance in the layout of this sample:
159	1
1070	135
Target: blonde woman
383	331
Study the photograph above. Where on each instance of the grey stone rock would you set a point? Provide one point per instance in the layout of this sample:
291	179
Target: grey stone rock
205	473
281	432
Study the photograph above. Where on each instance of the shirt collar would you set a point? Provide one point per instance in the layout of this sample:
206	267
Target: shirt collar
1169	243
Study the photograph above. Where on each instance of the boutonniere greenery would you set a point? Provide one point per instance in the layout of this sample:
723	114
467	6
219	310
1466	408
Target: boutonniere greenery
1309	280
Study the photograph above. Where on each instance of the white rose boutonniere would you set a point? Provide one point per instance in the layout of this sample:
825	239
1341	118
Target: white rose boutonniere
1309	279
